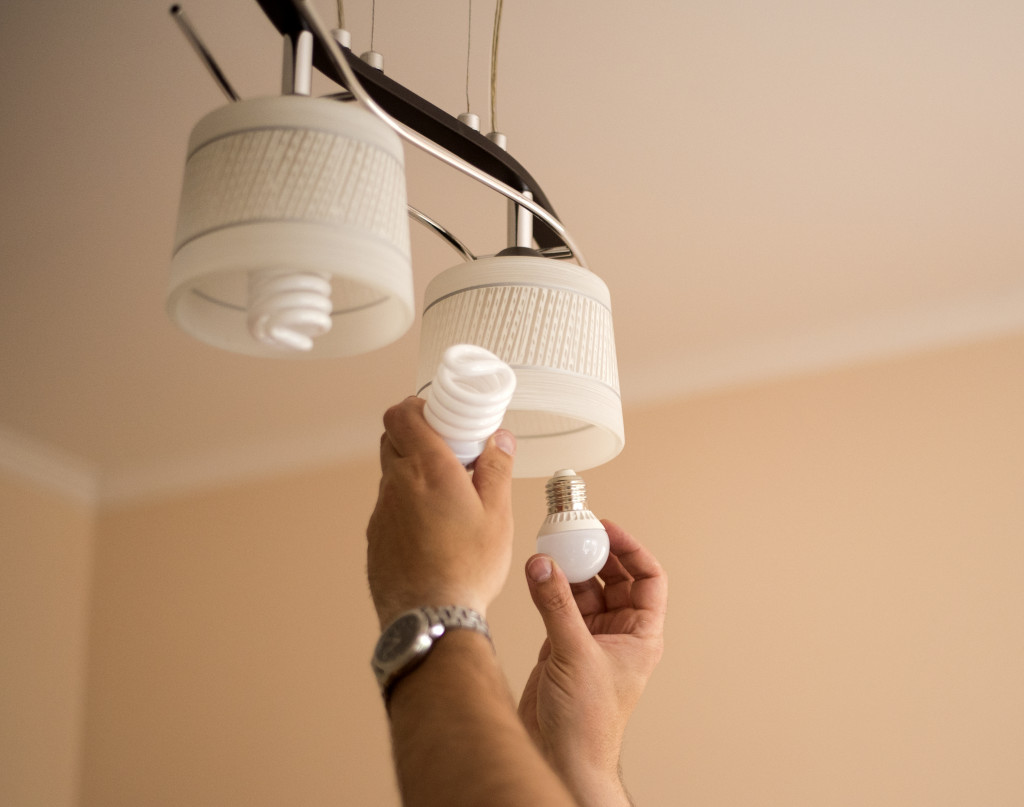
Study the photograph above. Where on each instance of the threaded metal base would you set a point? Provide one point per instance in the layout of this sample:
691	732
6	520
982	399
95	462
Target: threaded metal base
566	491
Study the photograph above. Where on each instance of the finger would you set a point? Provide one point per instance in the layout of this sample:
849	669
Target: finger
408	431
545	650
617	580
618	584
395	429
589	596
635	571
492	472
635	559
387	451
553	598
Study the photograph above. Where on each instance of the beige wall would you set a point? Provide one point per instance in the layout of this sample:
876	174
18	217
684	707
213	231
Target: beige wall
847	559
847	562
45	567
229	650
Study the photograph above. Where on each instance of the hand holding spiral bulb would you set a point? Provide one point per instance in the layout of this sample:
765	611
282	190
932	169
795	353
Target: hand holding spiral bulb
467	399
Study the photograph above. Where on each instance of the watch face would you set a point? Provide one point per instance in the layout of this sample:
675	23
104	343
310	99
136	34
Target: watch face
400	636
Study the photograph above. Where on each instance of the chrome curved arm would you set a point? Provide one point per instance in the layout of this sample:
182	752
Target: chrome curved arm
454	242
340	63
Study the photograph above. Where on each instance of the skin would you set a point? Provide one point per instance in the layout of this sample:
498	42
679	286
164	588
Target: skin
441	536
605	637
438	535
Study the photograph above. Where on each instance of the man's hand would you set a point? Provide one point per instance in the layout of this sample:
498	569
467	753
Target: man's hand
603	643
438	535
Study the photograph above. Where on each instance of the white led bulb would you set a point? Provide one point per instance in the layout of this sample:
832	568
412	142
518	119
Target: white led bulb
571	534
467	399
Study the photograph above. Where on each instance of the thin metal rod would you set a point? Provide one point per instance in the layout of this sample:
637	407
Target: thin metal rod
178	13
454	242
340	63
523	236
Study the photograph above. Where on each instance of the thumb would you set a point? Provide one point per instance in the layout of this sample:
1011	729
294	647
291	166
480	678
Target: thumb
553	597
492	471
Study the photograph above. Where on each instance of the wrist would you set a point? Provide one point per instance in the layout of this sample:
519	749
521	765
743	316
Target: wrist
392	605
462	655
598	790
596	785
410	639
457	737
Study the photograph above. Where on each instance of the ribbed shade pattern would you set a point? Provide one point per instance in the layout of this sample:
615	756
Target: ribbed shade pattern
290	186
552	323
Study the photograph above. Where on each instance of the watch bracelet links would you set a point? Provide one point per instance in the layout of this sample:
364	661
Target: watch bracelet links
458	616
451	617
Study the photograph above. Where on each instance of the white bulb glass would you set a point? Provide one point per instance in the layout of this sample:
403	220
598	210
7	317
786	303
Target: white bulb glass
571	534
467	399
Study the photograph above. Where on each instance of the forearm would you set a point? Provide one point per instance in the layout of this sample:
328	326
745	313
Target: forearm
457	738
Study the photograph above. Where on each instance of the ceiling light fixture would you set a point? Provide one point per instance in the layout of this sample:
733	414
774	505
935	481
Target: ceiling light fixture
552	323
292	240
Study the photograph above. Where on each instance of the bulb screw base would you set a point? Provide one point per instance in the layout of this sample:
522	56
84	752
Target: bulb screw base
566	491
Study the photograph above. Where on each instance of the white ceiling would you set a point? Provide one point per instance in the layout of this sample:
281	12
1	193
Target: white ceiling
765	187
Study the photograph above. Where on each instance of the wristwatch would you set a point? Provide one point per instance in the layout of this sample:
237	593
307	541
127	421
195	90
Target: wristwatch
405	643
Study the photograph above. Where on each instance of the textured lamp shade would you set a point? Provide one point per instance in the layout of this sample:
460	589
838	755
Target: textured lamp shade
293	233
552	323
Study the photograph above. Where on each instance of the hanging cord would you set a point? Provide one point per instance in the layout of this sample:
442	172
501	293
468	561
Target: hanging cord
469	49
494	66
373	23
340	64
341	14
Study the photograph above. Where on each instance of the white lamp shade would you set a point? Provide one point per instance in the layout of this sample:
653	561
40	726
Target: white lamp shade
551	322
297	186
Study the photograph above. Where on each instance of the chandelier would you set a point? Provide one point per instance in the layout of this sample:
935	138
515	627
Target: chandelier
292	242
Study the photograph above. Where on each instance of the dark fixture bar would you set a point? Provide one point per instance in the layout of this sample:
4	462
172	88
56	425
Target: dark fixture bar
423	117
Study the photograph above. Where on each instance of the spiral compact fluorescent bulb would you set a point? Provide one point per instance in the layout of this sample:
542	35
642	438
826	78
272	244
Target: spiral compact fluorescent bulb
289	310
571	534
467	399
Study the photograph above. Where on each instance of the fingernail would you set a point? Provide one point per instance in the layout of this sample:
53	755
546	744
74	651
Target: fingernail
506	441
539	569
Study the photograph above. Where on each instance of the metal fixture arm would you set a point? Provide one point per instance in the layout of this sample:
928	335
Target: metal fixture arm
454	242
422	116
340	64
178	13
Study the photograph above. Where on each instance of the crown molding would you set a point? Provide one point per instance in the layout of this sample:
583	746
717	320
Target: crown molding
239	464
934	326
929	328
48	467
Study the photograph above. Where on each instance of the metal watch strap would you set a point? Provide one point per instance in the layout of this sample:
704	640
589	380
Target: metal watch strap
439	620
457	616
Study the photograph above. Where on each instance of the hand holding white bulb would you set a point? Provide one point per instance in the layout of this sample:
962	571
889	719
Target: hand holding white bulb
571	534
467	399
